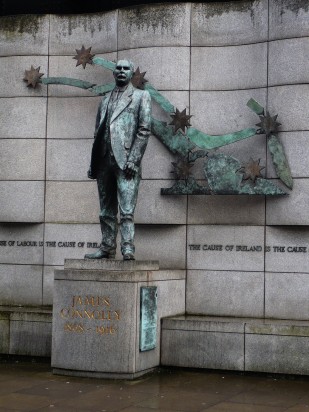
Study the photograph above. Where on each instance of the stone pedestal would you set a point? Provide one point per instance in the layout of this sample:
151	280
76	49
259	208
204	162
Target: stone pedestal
98	312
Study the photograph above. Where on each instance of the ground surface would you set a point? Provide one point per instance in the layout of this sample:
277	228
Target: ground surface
29	386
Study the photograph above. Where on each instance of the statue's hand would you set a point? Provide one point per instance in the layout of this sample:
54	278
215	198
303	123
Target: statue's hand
130	169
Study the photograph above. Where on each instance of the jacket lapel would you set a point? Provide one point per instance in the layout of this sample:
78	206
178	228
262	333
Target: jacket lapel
104	108
124	102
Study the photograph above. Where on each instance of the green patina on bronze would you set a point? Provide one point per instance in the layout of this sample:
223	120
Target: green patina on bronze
275	147
68	82
223	176
104	63
148	318
177	144
222	172
207	142
280	161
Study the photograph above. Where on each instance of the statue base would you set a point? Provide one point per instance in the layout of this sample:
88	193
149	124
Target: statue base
107	313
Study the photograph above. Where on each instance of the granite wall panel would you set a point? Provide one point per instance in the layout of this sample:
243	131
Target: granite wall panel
21	285
12	84
22	201
151	25
225	293
68	33
23	117
24	35
220	24
213	68
72	117
22	159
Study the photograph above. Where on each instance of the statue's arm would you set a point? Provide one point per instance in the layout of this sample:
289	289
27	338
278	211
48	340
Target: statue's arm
143	130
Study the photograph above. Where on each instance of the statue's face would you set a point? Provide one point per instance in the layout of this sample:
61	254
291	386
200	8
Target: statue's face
123	73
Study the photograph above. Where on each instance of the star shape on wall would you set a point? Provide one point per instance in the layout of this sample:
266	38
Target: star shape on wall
182	169
252	170
180	120
33	76
138	79
268	124
83	56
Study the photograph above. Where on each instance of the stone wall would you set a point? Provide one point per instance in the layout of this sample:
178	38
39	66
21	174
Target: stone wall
207	57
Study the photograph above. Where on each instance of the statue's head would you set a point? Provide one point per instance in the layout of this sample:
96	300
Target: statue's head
123	72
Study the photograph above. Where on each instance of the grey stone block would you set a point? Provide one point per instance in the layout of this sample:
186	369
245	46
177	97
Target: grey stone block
72	117
112	265
292	301
12	71
24	35
288	18
164	243
61	204
154	25
121	342
212	350
21	285
224	210
220	112
225	293
288	62
22	159
292	209
205	324
59	151
156	163
219	24
225	247
296	147
68	33
4	333
22	201
277	327
31	115
64	66
153	208
277	354
15	248
31	338
159	63
73	240
282	259
291	103
229	68
48	284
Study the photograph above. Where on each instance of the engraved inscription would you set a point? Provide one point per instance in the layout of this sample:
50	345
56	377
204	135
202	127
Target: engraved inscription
90	313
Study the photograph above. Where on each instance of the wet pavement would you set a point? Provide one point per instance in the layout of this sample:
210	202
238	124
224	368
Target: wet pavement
30	386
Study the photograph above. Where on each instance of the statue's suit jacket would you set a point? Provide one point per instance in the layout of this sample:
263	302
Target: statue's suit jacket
129	129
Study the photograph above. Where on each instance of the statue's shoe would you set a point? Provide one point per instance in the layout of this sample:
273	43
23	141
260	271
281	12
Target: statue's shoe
128	256
100	254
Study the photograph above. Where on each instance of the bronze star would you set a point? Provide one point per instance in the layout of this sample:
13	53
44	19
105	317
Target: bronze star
33	76
252	170
180	120
268	124
83	56
182	169
138	79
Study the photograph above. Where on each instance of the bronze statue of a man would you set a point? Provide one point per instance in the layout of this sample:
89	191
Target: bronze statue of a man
121	135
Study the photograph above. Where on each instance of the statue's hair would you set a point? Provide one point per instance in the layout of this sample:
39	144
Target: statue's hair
131	64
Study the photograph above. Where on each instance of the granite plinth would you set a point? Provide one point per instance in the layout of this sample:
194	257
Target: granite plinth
97	311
